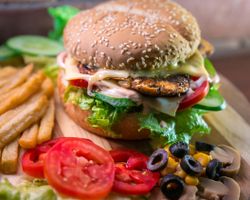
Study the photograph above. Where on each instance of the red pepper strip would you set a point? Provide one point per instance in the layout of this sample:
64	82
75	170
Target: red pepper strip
137	162
132	176
33	159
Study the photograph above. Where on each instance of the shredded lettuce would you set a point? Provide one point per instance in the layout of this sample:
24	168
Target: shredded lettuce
104	113
167	130
164	129
61	15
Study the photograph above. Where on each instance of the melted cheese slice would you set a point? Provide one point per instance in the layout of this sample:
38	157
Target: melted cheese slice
194	66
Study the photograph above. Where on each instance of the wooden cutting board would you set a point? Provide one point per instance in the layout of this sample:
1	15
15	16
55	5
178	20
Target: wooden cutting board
230	126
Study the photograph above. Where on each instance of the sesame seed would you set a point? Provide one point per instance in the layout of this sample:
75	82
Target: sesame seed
130	59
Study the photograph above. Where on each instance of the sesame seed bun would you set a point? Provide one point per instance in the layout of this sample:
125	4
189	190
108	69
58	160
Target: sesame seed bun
126	128
132	35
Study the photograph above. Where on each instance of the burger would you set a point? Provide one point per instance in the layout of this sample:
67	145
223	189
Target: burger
138	69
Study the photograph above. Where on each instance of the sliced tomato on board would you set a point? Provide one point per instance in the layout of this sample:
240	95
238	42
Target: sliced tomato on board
33	159
198	94
80	169
131	174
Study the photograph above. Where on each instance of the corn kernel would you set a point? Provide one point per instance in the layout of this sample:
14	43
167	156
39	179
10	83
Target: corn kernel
181	173
191	180
166	148
203	158
171	167
192	150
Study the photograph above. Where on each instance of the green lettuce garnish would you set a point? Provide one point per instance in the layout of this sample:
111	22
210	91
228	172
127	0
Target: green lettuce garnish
105	110
210	67
167	130
26	191
61	15
51	71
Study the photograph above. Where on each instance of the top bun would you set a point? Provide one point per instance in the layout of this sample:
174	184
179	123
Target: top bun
132	35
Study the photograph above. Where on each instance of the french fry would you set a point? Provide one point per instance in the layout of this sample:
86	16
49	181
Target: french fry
22	93
9	93
7	71
19	78
6	74
4	81
8	116
31	114
9	159
48	87
29	137
47	124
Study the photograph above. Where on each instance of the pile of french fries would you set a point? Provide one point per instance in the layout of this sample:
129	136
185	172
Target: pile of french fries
27	113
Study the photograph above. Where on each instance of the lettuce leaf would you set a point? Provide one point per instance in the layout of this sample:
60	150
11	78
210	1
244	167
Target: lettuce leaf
210	67
167	130
164	129
190	121
61	15
104	113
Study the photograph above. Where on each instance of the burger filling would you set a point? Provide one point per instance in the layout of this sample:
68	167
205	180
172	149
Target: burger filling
156	95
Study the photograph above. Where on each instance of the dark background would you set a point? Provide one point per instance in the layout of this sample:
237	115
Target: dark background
224	22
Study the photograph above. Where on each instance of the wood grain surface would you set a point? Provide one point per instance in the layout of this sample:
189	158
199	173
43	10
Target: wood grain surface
230	126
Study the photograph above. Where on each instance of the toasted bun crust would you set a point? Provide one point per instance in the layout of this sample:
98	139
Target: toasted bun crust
126	128
132	35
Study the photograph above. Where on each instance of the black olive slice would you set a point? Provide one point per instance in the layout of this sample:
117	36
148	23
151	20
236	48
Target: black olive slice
172	186
202	146
213	169
190	165
179	149
158	160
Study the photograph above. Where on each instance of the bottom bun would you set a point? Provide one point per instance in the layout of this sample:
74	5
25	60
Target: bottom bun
126	128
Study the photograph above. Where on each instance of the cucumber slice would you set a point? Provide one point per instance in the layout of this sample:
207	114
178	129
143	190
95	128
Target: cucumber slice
35	45
213	101
39	61
6	53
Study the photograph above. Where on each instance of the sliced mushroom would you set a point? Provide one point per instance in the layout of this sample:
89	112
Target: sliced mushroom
233	188
189	193
210	189
229	157
225	189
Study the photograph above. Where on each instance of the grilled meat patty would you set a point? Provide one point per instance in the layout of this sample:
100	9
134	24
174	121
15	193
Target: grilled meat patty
171	86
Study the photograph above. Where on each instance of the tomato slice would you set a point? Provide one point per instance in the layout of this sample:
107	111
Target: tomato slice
131	174
33	159
80	169
197	96
79	83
